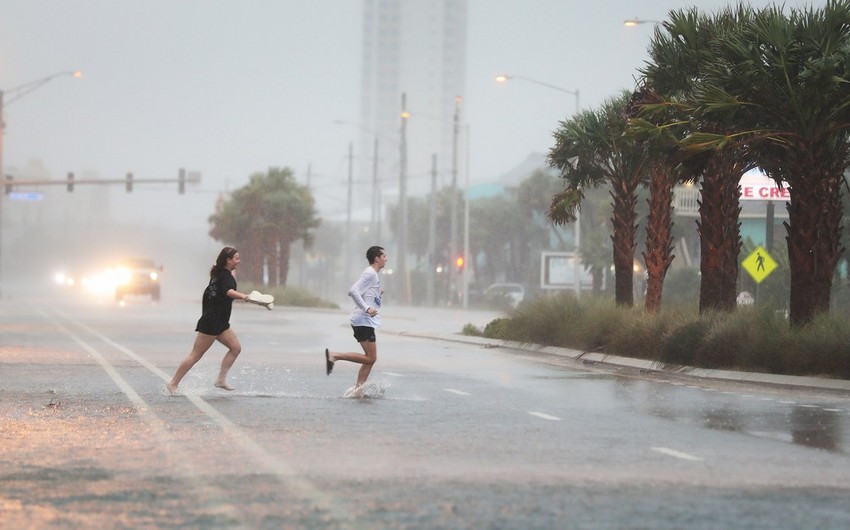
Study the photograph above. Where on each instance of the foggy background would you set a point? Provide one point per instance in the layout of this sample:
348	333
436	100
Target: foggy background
228	88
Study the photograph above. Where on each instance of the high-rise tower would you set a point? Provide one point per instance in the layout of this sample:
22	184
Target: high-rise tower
416	48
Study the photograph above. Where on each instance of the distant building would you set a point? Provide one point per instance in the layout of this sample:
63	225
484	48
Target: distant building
417	48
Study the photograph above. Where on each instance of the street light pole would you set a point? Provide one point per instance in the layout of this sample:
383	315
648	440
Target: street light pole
465	274
502	78
402	202
632	22
376	219
453	223
348	245
17	93
376	197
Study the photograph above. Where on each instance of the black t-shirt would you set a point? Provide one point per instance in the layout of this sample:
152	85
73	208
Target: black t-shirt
215	316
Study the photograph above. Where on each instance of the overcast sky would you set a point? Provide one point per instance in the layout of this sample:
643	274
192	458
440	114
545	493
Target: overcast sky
228	88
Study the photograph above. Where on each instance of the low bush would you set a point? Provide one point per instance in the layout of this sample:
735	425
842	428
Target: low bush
748	339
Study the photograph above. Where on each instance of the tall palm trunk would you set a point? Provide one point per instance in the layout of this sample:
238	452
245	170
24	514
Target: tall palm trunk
719	233
252	266
814	230
624	223
283	262
659	235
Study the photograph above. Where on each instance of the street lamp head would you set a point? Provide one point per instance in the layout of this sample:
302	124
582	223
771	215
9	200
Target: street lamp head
77	73
632	22
501	78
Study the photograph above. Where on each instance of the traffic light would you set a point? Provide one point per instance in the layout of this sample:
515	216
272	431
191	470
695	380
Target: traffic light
9	179
129	183
70	181
459	262
181	181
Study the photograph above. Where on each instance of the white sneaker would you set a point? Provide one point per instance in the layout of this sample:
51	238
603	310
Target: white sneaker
354	392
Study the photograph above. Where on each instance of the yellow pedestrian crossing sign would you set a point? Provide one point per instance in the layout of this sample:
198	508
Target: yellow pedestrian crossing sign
759	264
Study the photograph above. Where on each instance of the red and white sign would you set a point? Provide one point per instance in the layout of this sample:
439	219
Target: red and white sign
755	186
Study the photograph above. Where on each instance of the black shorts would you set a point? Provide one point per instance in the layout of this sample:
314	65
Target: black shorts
364	333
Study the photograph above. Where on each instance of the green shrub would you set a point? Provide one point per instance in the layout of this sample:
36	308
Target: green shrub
750	338
547	320
599	321
721	344
681	345
471	330
639	335
498	329
821	348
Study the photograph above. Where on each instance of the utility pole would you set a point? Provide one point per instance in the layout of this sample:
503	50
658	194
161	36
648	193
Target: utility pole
3	196
348	246
17	93
453	198
402	203
376	197
432	233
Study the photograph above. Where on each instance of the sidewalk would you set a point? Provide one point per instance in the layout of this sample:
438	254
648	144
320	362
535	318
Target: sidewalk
447	325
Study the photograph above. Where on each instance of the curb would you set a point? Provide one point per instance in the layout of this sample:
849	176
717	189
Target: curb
822	383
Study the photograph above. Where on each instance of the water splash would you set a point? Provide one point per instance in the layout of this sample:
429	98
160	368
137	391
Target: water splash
371	390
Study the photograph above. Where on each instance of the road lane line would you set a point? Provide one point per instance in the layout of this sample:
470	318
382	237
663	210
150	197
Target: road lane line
677	454
283	472
458	392
392	374
206	491
545	416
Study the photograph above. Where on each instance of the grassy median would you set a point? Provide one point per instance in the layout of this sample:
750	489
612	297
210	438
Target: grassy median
749	339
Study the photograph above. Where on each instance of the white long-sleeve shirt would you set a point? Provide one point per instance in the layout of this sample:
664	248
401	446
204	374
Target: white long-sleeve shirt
366	293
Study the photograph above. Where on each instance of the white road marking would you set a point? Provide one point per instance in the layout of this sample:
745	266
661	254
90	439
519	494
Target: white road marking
206	491
833	410
545	416
458	392
676	454
281	469
392	374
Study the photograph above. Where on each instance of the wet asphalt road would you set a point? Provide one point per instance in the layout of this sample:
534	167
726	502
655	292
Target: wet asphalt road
450	435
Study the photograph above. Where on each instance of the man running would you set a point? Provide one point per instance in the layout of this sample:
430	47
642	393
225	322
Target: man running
366	293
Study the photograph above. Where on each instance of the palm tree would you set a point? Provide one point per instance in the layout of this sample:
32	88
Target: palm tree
661	149
786	81
679	52
591	150
264	218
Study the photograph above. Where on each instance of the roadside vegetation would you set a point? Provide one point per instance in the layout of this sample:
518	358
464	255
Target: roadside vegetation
755	339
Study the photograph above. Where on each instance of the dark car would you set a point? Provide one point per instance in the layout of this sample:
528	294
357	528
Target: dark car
137	276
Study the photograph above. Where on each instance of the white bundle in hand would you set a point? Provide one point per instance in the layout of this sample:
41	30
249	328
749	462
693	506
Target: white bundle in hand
265	300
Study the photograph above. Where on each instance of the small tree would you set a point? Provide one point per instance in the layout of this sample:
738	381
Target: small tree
264	218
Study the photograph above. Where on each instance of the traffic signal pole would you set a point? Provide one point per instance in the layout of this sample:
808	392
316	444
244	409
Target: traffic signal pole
128	181
71	181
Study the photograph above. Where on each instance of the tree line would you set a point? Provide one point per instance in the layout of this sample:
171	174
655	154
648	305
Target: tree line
723	93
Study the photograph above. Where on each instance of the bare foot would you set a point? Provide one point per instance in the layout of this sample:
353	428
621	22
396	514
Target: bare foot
172	389
223	386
